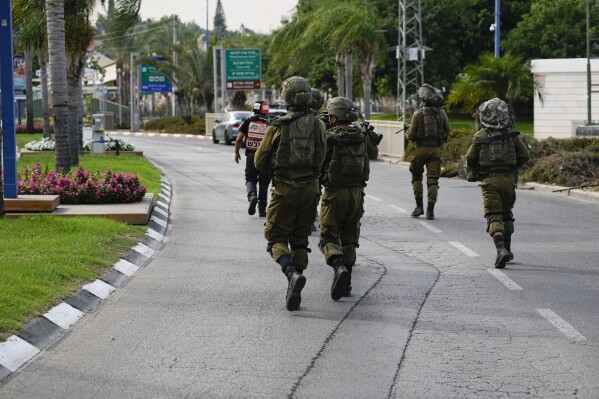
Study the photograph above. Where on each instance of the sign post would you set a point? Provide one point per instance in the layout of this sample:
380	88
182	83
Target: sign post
9	139
243	69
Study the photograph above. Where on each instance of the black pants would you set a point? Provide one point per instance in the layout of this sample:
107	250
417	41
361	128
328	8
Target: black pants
256	182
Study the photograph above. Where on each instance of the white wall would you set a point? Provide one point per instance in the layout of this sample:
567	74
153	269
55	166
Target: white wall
563	85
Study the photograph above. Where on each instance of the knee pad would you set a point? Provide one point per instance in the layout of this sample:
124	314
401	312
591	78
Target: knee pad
432	182
494	224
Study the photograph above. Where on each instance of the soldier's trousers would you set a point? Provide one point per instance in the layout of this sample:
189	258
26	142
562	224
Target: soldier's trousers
431	158
499	197
289	219
340	213
256	182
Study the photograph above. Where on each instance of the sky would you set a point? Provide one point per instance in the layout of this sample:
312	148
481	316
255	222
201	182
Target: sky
261	16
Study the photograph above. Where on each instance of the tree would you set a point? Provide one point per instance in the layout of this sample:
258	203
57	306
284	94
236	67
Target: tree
220	22
507	77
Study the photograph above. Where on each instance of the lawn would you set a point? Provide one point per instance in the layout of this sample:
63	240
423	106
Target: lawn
45	258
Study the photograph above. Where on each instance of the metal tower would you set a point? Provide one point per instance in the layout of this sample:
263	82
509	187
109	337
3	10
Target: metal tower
410	53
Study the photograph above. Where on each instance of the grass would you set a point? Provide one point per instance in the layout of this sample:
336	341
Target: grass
45	258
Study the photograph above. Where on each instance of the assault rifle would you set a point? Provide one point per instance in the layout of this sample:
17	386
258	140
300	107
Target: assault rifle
368	130
575	188
403	129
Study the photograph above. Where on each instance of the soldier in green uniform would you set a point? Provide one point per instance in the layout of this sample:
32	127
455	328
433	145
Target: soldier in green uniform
493	158
293	150
428	130
345	171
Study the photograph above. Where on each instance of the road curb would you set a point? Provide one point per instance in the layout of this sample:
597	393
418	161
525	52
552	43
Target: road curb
40	332
161	135
562	191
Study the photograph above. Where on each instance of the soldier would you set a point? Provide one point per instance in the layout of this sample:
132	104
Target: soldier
428	130
315	106
493	158
293	150
252	131
344	174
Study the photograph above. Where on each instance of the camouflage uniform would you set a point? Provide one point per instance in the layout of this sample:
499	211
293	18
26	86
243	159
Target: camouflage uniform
428	151
498	174
296	191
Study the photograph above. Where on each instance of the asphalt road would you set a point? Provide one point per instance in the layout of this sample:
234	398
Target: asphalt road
429	316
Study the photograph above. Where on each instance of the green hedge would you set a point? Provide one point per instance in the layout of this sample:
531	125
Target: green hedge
175	124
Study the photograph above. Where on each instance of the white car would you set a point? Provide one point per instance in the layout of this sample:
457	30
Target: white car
227	128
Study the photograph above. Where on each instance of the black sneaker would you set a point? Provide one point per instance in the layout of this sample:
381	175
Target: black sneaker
297	282
252	208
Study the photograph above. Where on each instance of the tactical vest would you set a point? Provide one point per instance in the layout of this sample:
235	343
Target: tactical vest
300	152
256	129
349	165
430	127
496	150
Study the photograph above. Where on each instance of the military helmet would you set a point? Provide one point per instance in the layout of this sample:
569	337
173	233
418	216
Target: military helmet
296	91
343	108
430	95
261	107
494	114
317	100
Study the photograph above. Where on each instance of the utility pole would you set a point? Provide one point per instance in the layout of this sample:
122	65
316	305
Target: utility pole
497	27
589	85
410	52
207	39
133	100
175	48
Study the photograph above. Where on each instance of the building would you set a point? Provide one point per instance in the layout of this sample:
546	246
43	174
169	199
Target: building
562	83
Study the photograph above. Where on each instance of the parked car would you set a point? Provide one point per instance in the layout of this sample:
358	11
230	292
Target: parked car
227	128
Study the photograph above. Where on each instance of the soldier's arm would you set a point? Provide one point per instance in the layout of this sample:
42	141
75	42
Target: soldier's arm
238	142
446	127
371	148
413	129
262	159
472	153
522	153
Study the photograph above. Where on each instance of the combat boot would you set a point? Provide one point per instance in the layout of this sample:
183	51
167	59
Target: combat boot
419	210
296	280
262	211
340	278
347	291
430	211
253	201
503	256
507	238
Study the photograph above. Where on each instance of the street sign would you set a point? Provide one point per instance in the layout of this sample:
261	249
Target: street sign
154	81
243	69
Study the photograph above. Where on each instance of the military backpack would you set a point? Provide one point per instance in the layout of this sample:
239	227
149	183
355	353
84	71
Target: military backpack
430	127
497	150
349	165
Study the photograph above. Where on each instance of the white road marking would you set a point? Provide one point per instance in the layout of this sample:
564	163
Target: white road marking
505	280
430	227
155	235
562	325
464	249
372	197
64	315
144	250
15	352
398	209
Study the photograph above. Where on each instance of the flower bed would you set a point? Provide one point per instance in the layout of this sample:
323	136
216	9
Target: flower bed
81	187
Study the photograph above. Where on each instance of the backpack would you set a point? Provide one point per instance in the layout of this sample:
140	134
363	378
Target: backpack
497	150
300	152
430	127
349	165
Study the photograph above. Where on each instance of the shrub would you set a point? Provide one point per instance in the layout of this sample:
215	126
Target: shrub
110	145
45	144
37	128
174	124
81	187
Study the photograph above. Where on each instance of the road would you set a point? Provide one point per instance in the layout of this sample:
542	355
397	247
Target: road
429	316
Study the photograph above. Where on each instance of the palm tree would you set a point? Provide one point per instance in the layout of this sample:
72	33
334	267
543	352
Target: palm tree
506	77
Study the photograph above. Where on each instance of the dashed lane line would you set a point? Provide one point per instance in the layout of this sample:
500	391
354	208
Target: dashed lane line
463	248
398	209
505	280
430	227
372	197
562	325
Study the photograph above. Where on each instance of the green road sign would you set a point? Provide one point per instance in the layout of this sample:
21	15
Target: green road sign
243	69
154	81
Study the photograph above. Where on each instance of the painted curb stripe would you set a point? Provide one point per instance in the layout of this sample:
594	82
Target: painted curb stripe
126	267
99	288
430	227
160	211
155	235
40	332
463	248
15	352
64	315
164	197
505	280
158	221
398	209
162	205
167	188
144	250
562	325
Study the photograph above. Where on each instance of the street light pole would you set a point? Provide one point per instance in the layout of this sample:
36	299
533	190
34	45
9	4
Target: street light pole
133	99
588	64
497	30
119	71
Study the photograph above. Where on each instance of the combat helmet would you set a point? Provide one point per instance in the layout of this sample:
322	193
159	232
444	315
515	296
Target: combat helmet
430	95
343	108
317	100
494	114
261	107
296	91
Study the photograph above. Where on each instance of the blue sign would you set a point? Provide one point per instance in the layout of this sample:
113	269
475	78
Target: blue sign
154	81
